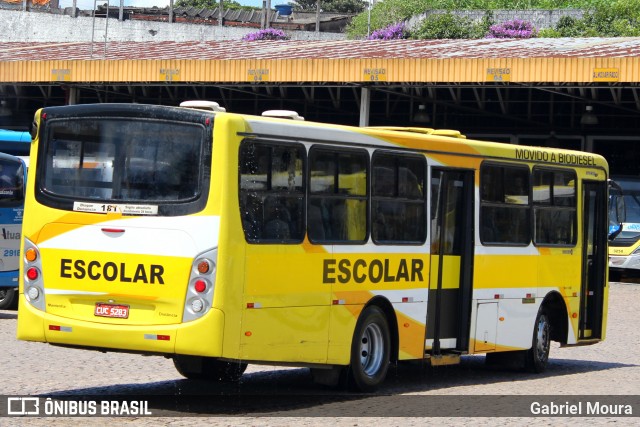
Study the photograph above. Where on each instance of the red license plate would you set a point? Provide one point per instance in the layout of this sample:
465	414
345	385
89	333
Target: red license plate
111	310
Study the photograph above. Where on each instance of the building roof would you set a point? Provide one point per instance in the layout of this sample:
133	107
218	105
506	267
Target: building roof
514	60
333	49
240	15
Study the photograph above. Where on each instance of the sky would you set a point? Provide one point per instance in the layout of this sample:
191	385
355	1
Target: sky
88	4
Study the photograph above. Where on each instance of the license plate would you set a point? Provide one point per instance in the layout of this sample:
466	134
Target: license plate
111	310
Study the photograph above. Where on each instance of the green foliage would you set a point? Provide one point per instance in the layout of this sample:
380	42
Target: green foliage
617	19
603	18
383	14
549	33
448	26
211	4
340	6
569	26
482	28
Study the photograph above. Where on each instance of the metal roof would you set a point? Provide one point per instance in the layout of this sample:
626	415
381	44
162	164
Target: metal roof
514	60
240	15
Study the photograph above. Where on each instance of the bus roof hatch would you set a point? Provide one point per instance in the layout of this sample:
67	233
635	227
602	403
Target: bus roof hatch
203	105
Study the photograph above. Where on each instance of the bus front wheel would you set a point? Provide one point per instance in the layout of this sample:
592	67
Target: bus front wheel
537	357
8	298
208	368
370	351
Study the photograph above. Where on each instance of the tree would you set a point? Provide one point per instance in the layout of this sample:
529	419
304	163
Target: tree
383	14
211	4
340	6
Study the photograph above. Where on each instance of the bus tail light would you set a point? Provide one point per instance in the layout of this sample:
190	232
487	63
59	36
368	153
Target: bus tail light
33	278
204	266
200	286
32	274
33	293
199	296
197	305
31	254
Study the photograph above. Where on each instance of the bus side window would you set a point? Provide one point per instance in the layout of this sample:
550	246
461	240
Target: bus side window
276	220
11	181
315	222
398	198
504	204
251	213
337	195
272	192
554	206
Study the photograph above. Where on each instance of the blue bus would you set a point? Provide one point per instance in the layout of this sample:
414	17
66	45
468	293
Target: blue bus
14	152
16	143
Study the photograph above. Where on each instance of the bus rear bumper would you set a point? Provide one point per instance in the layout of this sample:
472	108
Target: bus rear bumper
9	279
202	337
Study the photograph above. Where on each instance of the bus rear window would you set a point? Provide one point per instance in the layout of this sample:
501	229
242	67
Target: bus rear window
122	160
11	183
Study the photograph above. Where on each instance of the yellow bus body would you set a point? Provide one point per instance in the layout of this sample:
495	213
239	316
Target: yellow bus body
297	303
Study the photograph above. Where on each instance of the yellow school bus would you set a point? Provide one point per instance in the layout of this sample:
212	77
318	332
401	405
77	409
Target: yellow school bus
221	239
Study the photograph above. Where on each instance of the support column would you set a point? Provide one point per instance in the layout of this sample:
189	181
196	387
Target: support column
72	95
365	98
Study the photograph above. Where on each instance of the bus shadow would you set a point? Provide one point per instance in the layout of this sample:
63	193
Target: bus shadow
291	392
8	315
415	377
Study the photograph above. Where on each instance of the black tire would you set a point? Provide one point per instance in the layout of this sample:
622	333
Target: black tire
8	298
370	351
208	368
538	355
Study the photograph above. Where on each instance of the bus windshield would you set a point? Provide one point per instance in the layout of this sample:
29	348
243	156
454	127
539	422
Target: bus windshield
11	183
631	190
122	160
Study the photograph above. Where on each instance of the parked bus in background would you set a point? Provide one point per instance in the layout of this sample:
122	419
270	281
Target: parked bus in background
12	178
624	250
221	239
16	143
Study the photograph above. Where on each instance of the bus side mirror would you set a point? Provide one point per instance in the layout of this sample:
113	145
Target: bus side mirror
33	130
614	230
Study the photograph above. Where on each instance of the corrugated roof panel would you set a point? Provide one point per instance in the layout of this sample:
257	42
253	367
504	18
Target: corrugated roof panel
338	49
535	60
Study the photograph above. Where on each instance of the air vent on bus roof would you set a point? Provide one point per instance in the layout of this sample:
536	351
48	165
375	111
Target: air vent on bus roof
203	105
283	114
426	131
449	132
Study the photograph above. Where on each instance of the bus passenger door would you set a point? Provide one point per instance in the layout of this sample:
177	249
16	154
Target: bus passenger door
449	305
594	259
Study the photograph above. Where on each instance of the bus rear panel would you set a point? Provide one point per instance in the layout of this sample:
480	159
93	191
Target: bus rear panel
118	257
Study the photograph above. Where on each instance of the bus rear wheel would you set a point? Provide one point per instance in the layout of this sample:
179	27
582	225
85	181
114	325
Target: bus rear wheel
537	357
370	351
8	298
208	368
